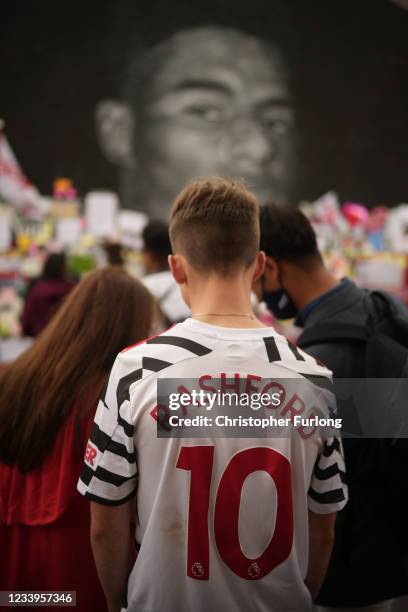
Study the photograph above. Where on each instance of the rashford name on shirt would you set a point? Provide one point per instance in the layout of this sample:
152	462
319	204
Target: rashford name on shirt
290	406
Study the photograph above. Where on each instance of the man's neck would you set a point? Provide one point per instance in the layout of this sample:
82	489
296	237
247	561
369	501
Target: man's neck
224	302
304	287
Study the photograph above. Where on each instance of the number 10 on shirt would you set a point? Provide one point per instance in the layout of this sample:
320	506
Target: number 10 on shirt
198	460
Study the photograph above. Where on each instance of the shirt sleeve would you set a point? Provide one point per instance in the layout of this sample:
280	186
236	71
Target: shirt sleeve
328	488
109	473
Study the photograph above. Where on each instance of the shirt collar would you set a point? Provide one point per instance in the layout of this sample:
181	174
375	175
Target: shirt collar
306	310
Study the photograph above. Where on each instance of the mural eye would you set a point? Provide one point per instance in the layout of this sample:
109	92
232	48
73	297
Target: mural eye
205	112
275	125
277	121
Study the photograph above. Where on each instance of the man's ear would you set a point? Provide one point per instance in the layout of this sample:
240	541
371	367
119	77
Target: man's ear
271	274
259	266
178	268
115	124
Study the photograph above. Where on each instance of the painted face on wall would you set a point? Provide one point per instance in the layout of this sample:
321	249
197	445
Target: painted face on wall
218	104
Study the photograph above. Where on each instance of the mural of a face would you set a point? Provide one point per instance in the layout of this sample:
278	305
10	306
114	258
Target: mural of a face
218	102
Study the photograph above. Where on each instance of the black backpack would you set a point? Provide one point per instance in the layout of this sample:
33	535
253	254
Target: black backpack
384	342
385	336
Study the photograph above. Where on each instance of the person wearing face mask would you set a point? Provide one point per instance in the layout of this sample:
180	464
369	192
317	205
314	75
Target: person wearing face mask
369	568
296	279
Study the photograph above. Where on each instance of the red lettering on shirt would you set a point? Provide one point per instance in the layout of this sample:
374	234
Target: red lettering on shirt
90	453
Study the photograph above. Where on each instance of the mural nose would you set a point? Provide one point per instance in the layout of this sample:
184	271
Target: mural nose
250	147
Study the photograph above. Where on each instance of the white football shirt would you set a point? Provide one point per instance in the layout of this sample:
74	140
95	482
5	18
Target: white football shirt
222	522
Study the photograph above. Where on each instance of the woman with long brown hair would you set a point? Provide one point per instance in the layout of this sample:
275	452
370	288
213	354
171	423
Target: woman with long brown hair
48	398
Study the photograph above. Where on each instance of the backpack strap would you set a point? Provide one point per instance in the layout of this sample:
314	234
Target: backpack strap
383	300
381	310
327	332
378	306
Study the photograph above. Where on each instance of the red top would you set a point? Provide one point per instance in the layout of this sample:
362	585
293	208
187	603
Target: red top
41	496
45	525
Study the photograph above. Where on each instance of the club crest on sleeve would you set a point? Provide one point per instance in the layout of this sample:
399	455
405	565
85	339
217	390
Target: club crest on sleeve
90	454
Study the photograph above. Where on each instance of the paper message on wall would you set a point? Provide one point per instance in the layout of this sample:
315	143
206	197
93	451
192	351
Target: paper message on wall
68	231
131	224
101	210
5	229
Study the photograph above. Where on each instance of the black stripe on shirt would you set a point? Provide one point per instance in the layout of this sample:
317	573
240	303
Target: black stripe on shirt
319	381
103	442
272	349
104	402
148	363
109	502
122	391
104	475
127	427
295	351
99	438
86	474
329	497
153	364
185	343
329	472
329	450
120	449
110	477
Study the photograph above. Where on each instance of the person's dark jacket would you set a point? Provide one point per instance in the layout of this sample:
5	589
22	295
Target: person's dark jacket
370	559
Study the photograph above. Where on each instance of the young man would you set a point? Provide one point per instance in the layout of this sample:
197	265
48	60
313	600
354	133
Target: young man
369	563
223	523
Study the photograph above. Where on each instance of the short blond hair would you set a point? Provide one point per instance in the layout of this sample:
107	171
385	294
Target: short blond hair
215	225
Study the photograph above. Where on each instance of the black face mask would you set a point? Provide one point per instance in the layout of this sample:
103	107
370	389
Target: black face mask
280	304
